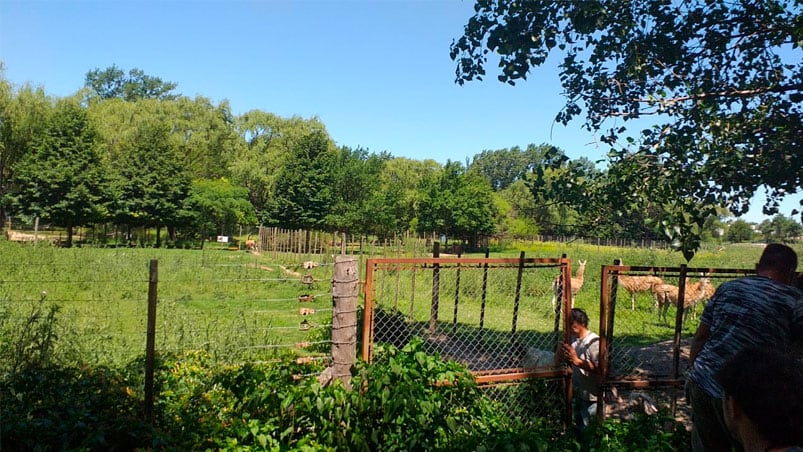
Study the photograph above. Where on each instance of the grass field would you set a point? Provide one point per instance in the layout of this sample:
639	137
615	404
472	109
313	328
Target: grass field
244	306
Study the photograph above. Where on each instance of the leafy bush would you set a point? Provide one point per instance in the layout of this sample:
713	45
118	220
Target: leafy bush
405	400
50	408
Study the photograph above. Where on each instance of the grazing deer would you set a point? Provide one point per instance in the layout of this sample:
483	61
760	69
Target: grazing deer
636	284
250	244
577	284
666	294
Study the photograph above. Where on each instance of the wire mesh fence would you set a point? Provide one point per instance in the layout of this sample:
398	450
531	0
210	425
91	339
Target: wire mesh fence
503	318
498	317
648	316
235	306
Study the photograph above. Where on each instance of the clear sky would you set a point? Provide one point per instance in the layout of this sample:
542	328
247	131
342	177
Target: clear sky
377	73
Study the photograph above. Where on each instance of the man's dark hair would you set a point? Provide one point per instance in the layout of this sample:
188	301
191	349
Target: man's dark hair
768	386
778	257
579	316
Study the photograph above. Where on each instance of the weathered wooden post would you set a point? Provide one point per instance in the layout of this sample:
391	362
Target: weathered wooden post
345	291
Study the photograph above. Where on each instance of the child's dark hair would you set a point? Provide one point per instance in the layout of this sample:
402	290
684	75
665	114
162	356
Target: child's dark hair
579	316
768	386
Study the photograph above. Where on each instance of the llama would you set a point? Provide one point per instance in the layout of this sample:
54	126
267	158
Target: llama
666	294
577	284
638	283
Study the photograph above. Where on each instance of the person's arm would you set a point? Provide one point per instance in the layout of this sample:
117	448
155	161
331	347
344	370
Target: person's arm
571	356
698	341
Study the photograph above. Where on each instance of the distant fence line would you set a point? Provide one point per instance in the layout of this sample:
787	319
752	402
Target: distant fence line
277	240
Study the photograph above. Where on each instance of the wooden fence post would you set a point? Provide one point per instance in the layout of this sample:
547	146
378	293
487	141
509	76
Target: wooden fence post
150	341
345	291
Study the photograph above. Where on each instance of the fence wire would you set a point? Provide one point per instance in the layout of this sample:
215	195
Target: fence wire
648	316
235	306
495	316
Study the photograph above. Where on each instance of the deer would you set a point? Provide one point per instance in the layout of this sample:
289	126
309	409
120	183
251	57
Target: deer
577	284
666	294
638	283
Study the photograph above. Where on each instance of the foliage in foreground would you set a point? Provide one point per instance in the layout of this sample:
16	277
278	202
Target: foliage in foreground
400	407
404	400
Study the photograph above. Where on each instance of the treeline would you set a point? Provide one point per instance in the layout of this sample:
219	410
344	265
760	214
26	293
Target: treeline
128	150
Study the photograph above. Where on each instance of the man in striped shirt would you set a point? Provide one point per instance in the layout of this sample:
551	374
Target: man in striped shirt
756	311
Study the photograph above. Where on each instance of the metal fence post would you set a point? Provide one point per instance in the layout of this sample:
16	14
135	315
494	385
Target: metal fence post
150	343
436	289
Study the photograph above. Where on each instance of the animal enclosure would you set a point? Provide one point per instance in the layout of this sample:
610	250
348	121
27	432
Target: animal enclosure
633	358
496	317
493	315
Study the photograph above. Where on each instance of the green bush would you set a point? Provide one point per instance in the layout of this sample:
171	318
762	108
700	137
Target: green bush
404	400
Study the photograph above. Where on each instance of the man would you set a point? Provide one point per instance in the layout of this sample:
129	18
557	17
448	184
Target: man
763	403
762	311
583	355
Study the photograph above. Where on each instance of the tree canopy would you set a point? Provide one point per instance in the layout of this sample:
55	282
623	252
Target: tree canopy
113	83
194	167
721	81
61	179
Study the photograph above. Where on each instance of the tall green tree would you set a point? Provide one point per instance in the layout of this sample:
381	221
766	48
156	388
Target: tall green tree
722	81
402	182
518	211
23	116
304	197
739	231
268	141
203	133
113	82
61	179
781	229
356	182
218	206
150	181
458	204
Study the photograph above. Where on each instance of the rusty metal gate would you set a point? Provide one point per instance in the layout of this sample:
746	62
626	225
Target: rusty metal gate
498	316
643	346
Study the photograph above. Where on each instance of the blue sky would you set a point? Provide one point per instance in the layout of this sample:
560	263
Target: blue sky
377	73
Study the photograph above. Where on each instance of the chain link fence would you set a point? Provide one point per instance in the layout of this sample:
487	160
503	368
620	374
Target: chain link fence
498	317
648	316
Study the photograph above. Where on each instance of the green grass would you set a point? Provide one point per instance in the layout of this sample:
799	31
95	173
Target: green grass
238	305
233	304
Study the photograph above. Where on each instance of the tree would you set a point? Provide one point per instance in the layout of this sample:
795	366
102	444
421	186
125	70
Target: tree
150	181
267	142
217	205
23	116
459	204
402	182
359	198
723	82
112	82
516	209
303	197
781	229
62	180
739	231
